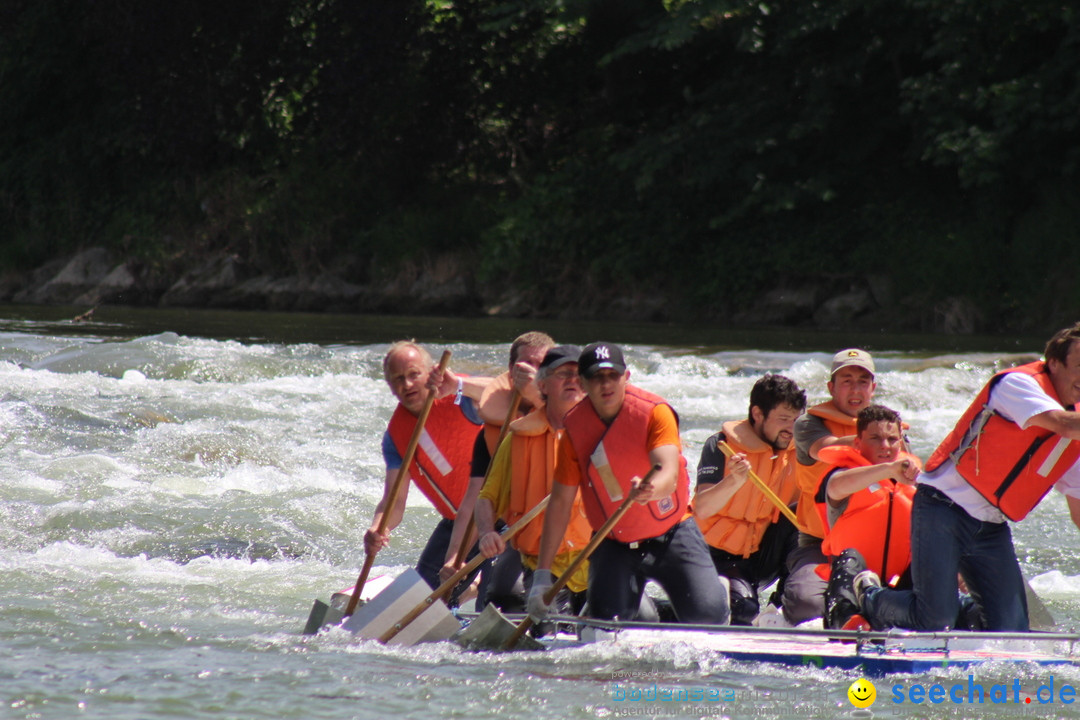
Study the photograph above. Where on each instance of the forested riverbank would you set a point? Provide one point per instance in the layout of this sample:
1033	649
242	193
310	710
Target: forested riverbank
907	165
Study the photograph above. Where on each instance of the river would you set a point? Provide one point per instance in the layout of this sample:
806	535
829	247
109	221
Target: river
179	486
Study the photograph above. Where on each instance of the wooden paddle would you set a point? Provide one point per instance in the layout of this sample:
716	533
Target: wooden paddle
395	489
451	582
765	489
597	538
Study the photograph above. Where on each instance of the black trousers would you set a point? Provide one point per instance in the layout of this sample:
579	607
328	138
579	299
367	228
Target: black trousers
748	575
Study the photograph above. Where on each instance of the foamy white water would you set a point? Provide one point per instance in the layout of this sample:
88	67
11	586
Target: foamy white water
170	506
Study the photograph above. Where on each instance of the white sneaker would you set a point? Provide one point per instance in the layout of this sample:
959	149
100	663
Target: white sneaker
771	617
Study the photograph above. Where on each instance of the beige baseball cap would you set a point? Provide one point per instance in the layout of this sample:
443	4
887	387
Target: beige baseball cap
853	357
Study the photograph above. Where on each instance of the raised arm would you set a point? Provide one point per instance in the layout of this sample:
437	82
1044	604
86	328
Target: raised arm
710	498
845	483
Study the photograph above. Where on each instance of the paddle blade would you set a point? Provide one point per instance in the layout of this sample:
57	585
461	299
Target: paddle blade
323	615
1039	617
316	617
379	614
490	630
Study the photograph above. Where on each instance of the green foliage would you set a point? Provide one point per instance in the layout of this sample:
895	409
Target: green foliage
1042	257
997	90
798	140
702	148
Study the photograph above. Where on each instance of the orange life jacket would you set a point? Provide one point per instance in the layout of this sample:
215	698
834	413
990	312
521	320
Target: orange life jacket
442	462
809	477
876	521
533	456
1011	467
738	526
611	455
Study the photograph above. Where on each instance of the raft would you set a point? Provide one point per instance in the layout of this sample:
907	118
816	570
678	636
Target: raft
872	653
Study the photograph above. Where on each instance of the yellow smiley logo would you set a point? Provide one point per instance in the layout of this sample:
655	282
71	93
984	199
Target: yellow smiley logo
861	693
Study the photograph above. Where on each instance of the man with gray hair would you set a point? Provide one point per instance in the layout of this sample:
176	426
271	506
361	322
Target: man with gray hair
440	468
521	476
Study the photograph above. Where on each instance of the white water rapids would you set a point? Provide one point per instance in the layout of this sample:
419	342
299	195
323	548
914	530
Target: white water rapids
170	506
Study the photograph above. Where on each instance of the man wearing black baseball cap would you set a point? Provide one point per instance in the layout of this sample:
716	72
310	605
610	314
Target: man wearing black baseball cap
600	356
611	442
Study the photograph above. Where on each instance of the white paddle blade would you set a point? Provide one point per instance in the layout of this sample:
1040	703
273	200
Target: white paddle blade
388	607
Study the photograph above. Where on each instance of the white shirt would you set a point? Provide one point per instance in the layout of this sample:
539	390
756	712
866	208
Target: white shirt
1016	397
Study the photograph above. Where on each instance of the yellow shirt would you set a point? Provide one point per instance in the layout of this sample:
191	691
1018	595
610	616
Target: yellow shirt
496	490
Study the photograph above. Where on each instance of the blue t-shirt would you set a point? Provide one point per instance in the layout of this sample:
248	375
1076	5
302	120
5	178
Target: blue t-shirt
390	453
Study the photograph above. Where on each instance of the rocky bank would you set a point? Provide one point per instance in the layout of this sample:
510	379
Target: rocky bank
446	286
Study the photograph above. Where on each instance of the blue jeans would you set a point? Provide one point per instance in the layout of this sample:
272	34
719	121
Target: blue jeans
946	540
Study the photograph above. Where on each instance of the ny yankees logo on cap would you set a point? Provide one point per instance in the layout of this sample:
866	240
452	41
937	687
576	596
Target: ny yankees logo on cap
598	356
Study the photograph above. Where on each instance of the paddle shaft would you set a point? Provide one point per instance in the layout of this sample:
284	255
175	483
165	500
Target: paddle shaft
395	488
463	547
594	542
765	489
445	589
